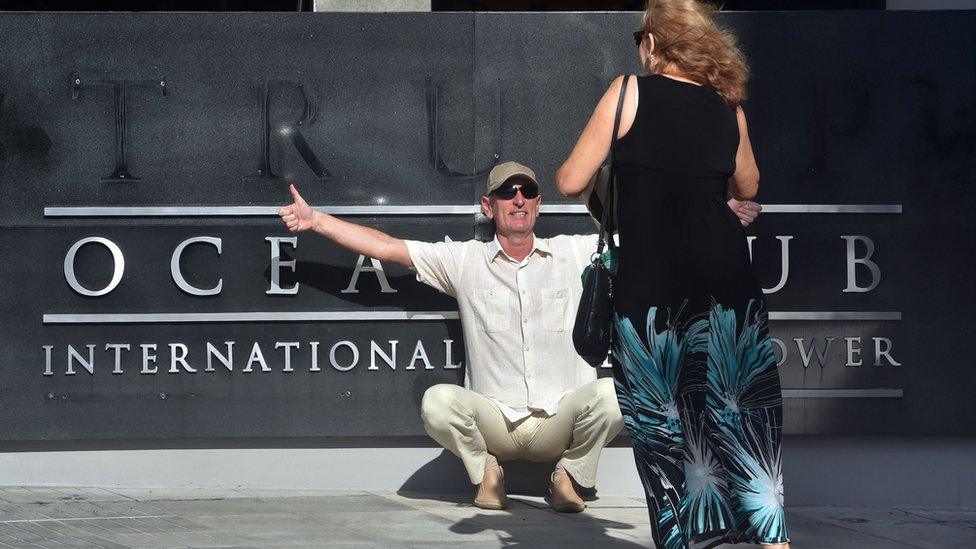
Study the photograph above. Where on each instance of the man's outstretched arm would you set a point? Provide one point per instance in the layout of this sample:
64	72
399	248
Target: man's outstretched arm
299	216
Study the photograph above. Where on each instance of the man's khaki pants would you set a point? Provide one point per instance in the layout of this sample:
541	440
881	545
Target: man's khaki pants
470	425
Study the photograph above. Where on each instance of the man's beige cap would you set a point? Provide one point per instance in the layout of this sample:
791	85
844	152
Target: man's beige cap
505	171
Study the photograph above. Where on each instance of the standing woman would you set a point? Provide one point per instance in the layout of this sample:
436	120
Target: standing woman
695	373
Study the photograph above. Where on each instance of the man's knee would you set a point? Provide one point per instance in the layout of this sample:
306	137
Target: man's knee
605	403
436	403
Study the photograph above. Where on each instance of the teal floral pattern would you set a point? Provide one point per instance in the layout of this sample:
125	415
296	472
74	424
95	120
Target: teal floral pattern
702	402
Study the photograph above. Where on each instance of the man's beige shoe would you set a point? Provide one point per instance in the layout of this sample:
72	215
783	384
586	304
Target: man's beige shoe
562	494
491	491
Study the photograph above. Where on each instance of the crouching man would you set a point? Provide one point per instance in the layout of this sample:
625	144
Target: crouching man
527	394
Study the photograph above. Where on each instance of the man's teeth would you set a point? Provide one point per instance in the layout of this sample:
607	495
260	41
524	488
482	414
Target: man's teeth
521	214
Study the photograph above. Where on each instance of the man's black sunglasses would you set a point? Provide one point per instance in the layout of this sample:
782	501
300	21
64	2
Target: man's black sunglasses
639	37
508	192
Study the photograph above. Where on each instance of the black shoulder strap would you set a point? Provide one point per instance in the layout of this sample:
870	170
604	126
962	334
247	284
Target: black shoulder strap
606	231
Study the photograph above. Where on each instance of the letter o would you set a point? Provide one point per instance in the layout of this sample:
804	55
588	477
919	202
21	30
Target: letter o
69	266
782	350
355	356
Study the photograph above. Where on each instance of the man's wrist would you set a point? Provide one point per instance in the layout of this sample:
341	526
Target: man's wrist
320	222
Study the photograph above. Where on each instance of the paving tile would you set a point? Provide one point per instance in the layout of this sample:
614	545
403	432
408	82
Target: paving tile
565	533
927	535
25	531
494	544
414	526
858	515
94	494
809	533
27	495
616	502
288	493
180	539
123	508
452	505
943	515
76	537
151	494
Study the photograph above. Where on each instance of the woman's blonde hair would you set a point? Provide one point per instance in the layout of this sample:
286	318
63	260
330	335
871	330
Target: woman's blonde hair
686	36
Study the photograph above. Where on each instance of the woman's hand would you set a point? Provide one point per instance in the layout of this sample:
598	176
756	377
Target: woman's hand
746	210
297	216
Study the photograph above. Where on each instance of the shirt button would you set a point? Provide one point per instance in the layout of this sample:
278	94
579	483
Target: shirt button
526	347
525	321
523	292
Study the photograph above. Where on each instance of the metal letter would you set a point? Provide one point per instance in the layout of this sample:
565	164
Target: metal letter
256	356
120	90
448	360
69	266
782	350
117	347
147	358
784	242
390	359
433	132
227	361
315	356
419	353
288	346
355	356
853	261
88	365
286	130
878	353
277	263
805	354
174	266
851	350
181	359
377	268
47	360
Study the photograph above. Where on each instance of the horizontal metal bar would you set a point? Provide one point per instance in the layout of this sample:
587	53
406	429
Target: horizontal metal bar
267	211
834	315
833	208
842	393
297	316
248	211
360	316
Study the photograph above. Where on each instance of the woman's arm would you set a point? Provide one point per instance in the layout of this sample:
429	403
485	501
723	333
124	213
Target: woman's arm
744	183
594	143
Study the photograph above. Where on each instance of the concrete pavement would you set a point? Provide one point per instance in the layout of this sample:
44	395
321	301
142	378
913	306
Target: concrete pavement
142	517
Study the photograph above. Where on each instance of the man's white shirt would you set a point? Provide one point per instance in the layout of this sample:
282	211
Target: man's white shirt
517	316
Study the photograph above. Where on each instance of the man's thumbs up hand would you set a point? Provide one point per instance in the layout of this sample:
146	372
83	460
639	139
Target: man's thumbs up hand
298	215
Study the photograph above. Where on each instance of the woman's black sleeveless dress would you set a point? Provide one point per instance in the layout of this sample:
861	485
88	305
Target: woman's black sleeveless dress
694	367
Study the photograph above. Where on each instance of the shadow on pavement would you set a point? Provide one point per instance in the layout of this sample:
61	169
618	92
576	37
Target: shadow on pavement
521	525
446	474
513	532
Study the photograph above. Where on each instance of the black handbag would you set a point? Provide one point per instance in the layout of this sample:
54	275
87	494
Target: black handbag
593	331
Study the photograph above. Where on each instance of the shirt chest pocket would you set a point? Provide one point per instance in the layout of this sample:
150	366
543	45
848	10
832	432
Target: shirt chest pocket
556	309
491	309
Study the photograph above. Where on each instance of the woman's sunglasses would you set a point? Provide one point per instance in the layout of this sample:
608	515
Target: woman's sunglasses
508	192
639	37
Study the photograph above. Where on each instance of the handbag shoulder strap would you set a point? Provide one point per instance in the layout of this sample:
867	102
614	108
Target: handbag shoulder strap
606	235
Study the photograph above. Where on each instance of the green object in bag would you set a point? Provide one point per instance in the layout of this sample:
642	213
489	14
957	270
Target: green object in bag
609	259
